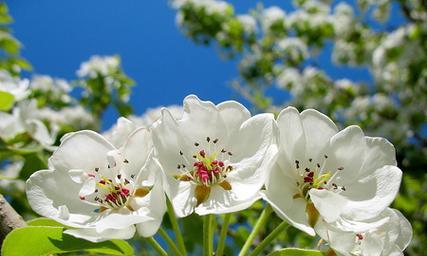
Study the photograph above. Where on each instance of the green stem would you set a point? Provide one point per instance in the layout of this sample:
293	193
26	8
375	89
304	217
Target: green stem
223	235
170	242
156	246
175	228
260	223
208	235
279	229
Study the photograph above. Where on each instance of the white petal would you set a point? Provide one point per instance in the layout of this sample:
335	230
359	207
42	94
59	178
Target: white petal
88	187
48	191
233	114
292	138
10	126
346	150
120	220
168	142
379	152
85	150
200	120
296	215
92	235
121	131
157	207
372	194
136	151
318	129
221	201
181	195
329	204
39	132
405	235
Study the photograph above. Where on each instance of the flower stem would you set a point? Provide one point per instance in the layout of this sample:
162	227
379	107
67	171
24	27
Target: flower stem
279	229
170	242
223	235
208	235
260	223
156	246
175	227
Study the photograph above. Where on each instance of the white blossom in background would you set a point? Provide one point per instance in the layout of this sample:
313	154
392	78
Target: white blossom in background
293	48
343	19
58	88
390	238
118	134
103	65
392	69
248	22
342	178
23	119
215	158
210	6
98	190
290	78
9	177
19	88
272	15
75	116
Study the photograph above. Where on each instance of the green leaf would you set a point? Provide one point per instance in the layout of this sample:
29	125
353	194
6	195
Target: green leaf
45	222
296	252
39	240
6	101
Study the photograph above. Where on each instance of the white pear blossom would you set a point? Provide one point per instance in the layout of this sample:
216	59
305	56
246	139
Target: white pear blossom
248	23
103	65
293	48
98	190
389	239
19	88
24	120
271	16
9	177
57	88
342	178
76	116
215	158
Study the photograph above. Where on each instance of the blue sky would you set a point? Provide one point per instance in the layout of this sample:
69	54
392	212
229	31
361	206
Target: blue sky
59	35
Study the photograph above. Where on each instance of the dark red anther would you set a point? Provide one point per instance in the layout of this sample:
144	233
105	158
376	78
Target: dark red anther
125	191
310	174
308	179
102	182
359	236
82	197
221	163
202	153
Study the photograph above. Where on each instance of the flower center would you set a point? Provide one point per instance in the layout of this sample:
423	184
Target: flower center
313	176
112	193
208	167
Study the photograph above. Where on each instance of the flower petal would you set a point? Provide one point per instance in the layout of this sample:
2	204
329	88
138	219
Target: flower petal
318	129
136	151
91	234
120	132
221	201
85	150
292	138
346	149
372	194
279	192
233	114
48	191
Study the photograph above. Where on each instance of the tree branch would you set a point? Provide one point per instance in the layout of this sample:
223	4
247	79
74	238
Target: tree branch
9	219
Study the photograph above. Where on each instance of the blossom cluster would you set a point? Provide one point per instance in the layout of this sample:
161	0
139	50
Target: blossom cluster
215	159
